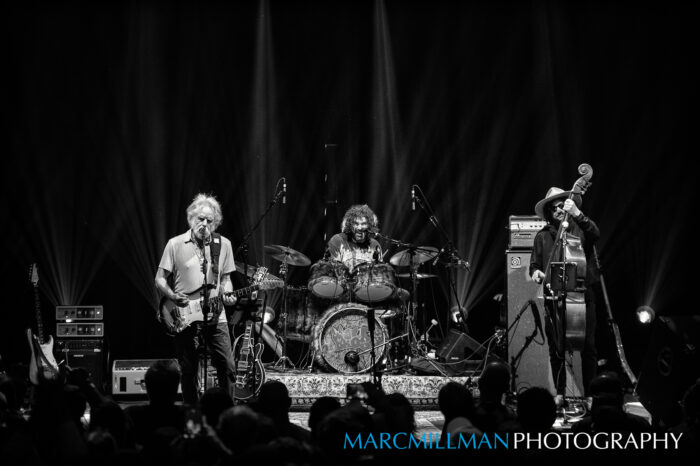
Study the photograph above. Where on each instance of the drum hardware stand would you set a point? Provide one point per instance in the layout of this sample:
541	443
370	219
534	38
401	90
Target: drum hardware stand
284	360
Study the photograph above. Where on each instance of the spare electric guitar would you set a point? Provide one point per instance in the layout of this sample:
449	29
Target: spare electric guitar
42	364
250	373
175	318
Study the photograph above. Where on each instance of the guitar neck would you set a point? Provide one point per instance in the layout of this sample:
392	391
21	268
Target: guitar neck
243	291
237	293
37	315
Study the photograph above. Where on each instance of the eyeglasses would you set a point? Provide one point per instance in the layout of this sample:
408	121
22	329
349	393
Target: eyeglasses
558	205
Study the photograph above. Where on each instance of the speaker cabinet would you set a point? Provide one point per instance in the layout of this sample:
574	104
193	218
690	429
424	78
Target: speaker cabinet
533	368
458	346
671	366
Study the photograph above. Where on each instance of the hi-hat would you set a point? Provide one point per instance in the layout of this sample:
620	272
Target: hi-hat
419	276
421	254
286	254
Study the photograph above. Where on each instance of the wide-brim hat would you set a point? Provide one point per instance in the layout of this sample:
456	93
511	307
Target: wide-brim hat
553	194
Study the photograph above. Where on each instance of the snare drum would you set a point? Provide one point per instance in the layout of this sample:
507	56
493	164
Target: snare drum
375	282
328	279
342	341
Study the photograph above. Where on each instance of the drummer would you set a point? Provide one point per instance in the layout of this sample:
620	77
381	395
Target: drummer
354	246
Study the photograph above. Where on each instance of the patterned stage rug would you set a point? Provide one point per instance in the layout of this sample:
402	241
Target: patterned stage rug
305	387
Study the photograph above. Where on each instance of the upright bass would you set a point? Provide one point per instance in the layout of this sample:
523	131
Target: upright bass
565	272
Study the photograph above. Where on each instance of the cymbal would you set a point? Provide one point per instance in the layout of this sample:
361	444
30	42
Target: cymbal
422	254
286	254
419	276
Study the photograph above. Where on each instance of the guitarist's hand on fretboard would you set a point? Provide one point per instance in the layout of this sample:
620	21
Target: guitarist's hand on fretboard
228	299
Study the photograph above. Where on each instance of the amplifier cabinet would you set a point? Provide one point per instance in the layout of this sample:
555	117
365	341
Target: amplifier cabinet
85	353
129	375
522	230
533	367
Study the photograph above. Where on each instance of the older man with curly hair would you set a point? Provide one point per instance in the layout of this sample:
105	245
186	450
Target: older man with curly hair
190	260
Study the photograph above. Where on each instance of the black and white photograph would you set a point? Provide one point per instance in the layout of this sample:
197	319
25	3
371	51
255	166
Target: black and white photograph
306	232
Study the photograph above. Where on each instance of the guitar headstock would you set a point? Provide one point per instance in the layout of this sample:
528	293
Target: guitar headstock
259	275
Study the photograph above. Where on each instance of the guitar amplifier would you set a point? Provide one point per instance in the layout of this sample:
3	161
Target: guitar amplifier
129	376
80	330
71	313
85	353
522	230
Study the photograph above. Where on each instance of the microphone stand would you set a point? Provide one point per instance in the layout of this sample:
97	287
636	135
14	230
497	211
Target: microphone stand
409	324
243	246
454	258
206	310
246	238
373	356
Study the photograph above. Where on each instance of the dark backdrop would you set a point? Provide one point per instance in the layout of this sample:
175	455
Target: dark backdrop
119	113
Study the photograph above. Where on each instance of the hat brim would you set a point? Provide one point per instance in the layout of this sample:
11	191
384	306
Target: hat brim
539	207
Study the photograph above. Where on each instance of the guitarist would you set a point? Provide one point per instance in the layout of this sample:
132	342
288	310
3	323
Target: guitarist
190	260
552	209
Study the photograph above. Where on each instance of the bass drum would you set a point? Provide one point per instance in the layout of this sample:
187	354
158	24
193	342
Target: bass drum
342	342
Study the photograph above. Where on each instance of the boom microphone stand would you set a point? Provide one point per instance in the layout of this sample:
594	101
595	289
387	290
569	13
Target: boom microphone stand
278	193
454	260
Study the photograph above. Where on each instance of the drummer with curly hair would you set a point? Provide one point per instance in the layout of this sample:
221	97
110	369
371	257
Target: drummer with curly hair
354	245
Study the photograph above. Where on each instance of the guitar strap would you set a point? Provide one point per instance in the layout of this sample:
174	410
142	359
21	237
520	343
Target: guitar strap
215	251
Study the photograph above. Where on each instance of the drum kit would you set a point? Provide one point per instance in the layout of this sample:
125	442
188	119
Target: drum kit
341	337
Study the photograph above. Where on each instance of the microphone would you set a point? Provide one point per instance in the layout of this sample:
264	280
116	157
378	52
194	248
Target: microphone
375	256
284	190
435	261
433	323
413	197
536	315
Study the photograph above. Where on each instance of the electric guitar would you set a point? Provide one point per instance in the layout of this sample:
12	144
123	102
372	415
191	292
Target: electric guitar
176	318
42	365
